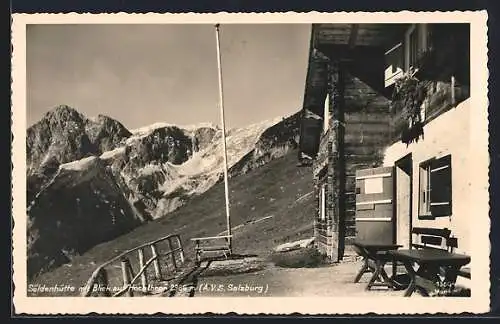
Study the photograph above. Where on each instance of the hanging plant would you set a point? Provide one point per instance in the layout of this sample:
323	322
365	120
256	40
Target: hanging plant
407	99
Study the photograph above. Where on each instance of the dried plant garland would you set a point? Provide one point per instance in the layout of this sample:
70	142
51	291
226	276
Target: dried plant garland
407	99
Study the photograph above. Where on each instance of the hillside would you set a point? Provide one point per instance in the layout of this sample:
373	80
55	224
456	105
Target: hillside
89	208
278	189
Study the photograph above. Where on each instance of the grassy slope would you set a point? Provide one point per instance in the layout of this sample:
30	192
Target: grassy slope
270	190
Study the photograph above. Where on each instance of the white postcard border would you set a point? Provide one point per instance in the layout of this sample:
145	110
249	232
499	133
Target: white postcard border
480	223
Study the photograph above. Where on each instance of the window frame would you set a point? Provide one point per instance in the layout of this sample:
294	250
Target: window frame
425	170
424	193
322	203
416	33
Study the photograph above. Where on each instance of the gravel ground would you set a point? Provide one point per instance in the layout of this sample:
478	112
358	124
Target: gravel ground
329	280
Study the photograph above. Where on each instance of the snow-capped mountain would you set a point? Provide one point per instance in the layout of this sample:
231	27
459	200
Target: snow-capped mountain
93	172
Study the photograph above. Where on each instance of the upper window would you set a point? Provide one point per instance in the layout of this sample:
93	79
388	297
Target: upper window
405	54
435	188
416	43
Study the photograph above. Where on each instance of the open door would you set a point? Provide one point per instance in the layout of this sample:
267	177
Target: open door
403	200
374	205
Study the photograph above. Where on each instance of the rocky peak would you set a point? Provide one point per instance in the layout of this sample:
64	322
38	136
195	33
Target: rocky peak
203	137
284	133
63	113
105	132
161	145
65	135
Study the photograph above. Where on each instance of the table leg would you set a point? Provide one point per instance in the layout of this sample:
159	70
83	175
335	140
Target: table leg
422	291
424	280
428	280
375	276
450	278
451	274
385	277
413	285
380	275
363	270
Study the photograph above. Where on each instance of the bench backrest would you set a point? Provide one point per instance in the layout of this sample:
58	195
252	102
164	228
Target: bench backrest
432	238
221	239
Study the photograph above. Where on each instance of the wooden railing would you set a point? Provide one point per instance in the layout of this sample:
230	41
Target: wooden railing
105	280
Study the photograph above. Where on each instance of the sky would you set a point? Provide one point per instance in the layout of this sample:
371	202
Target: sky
143	74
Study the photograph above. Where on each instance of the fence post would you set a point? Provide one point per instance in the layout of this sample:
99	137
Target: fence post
198	251
104	282
156	262
179	243
144	278
89	288
172	253
126	278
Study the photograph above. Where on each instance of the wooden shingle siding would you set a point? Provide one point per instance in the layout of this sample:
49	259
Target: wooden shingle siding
366	117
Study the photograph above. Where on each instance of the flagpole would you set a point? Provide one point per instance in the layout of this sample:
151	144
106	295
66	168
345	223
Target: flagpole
221	105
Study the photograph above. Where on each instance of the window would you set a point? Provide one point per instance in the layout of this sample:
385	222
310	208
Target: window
406	53
435	188
416	42
394	60
322	203
413	47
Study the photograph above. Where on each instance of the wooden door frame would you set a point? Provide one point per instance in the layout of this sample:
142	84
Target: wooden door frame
397	165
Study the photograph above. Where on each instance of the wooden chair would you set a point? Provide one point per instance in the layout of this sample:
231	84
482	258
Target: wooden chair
224	246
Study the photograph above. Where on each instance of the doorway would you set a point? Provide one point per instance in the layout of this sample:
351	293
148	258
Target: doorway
403	200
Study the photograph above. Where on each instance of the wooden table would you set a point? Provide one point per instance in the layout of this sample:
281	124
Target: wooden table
375	257
430	261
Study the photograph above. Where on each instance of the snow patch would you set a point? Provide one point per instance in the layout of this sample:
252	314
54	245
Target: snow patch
150	169
150	128
79	165
194	127
204	168
113	153
144	131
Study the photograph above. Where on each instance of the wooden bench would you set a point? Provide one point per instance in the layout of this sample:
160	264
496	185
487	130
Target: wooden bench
224	246
436	238
432	238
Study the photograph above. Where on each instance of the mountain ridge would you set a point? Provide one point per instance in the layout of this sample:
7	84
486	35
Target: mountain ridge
154	170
